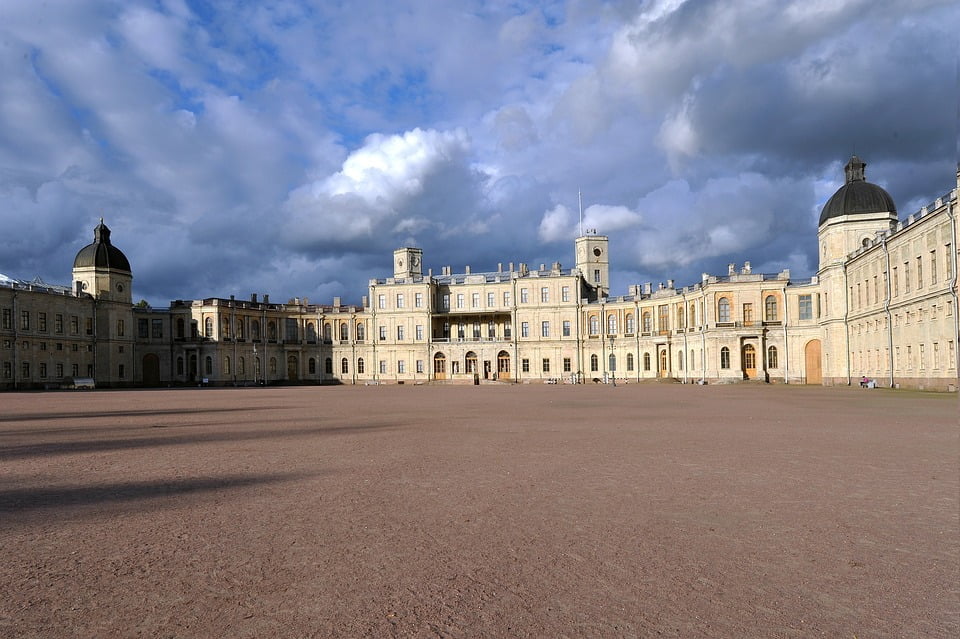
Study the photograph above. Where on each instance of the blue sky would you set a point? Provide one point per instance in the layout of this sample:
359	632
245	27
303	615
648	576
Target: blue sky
288	147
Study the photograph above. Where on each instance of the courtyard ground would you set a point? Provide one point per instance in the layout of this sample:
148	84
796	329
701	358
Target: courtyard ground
489	511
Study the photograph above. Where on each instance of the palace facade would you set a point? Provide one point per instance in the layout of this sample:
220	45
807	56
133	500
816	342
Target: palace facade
882	305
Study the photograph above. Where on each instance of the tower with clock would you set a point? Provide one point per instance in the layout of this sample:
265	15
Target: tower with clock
407	262
593	261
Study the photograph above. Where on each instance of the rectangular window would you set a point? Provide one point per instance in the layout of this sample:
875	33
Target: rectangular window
400	301
7	370
596	275
507	330
544	294
43	370
24	320
459	300
524	329
806	307
491	300
896	282
419	331
59	369
7	319
42	322
565	293
418	300
664	318
383	366
525	365
475	300
933	266
156	328
545	329
383	332
120	328
121	371
74	324
524	296
506	298
88	322
401	366
906	277
400	333
58	323
566	328
748	314
566	365
59	346
491	329
546	365
919	272
143	329
419	365
381	301
74	369
25	370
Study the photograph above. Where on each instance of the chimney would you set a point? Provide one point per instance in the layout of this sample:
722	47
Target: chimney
746	268
336	302
731	268
543	267
704	277
511	267
363	301
266	298
669	283
467	271
429	274
253	297
647	288
499	267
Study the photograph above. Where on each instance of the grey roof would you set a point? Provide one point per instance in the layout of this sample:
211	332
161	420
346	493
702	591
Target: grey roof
102	254
857	196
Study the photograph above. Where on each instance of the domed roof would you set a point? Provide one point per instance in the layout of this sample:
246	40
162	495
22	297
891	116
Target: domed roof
101	254
857	196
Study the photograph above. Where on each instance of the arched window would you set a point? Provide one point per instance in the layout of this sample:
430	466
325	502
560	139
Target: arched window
594	363
272	331
344	331
611	324
226	328
361	332
594	325
241	366
629	361
311	332
470	363
240	323
772	357
255	330
439	364
181	327
208	365
208	327
180	366
273	365
327	332
646	361
693	360
226	365
724	357
723	310
770	309
680	323
312	366
693	315
360	366
328	366
612	363
647	322
344	366
680	360
631	324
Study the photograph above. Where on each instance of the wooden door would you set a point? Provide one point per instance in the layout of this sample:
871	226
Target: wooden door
439	366
812	365
749	362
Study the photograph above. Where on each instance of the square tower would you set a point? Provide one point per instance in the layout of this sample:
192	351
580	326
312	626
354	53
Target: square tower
407	262
593	261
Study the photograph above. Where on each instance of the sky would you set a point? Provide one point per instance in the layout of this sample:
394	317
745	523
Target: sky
288	147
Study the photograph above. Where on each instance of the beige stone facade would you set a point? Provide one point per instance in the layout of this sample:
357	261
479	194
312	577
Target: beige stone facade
883	305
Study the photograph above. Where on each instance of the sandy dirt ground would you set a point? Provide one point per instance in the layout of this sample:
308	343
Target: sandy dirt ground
490	511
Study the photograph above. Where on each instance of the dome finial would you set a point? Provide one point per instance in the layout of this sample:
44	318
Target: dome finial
854	170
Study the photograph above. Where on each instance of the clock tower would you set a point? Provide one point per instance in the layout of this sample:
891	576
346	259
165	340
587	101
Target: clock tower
407	262
594	264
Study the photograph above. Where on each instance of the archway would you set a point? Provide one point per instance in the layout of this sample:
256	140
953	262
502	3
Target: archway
503	365
812	366
151	370
293	368
664	367
749	361
470	363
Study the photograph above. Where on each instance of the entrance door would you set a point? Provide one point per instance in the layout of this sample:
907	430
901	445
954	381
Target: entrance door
812	366
503	365
293	372
663	363
749	362
439	366
151	370
487	369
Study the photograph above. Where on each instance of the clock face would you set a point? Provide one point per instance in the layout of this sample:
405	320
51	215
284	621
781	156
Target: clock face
399	263
597	251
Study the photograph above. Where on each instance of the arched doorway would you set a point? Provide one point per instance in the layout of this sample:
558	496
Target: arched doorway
664	370
812	366
151	370
293	368
470	363
439	366
503	365
749	357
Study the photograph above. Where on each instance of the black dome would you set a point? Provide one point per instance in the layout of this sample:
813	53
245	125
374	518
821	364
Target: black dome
857	196
101	254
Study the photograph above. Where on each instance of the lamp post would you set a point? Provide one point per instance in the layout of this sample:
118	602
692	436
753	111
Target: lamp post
613	363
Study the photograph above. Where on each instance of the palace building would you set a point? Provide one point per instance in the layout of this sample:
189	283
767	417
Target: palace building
883	305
